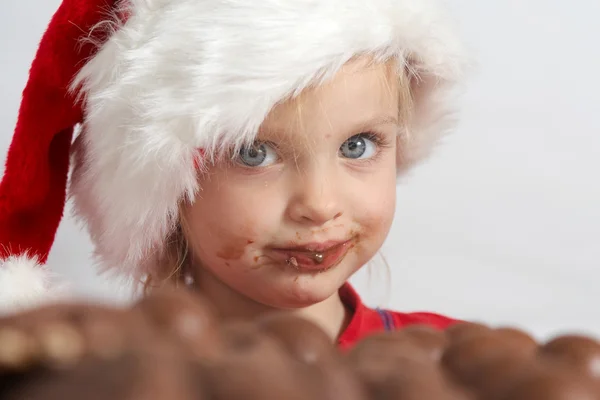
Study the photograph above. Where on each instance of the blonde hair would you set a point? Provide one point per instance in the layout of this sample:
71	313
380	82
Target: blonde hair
405	97
176	255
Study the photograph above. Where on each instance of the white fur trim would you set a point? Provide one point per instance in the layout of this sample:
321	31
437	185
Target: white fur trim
180	75
24	283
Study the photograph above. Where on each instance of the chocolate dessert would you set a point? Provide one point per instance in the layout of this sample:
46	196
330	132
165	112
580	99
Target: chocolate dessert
170	346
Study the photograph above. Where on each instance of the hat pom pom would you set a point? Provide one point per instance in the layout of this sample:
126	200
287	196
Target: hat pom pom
25	283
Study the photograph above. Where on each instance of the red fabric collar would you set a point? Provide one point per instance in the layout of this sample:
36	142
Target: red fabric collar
366	321
363	322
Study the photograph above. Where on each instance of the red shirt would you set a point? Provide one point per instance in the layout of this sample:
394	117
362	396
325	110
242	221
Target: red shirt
366	321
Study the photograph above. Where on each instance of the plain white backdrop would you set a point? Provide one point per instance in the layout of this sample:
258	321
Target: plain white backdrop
502	225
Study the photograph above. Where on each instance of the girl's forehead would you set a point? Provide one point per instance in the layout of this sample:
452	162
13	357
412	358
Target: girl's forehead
360	92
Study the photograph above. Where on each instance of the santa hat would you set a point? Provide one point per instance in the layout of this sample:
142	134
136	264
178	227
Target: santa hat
152	81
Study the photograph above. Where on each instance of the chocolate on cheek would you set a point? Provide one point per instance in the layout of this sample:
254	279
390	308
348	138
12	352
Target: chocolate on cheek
231	252
355	246
374	229
234	248
227	241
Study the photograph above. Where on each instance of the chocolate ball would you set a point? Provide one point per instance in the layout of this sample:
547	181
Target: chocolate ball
431	342
254	365
338	381
92	379
517	339
303	339
466	359
466	330
149	375
414	341
64	333
184	317
380	354
18	349
496	377
550	384
309	344
410	378
394	366
580	352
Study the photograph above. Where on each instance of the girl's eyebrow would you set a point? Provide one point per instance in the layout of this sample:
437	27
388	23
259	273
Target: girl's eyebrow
379	120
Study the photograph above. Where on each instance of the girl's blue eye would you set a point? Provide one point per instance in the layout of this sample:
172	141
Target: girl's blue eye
359	146
257	155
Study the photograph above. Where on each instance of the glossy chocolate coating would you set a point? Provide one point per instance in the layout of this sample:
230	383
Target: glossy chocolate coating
466	330
309	344
63	334
402	375
386	347
431	342
303	339
170	345
402	365
579	352
184	317
255	365
150	375
498	376
467	359
547	383
517	339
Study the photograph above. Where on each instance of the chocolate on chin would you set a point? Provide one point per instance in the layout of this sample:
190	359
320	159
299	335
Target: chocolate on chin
170	346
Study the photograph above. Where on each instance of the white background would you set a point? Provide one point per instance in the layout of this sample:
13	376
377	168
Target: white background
503	224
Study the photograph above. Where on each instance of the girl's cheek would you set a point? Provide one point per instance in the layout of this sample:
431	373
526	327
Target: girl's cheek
244	225
375	212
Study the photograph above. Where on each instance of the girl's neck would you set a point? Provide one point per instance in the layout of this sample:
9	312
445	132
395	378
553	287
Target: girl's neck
331	315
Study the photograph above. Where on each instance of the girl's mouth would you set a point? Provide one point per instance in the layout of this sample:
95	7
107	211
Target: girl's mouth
313	257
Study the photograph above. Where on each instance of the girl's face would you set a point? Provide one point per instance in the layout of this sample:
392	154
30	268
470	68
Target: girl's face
289	220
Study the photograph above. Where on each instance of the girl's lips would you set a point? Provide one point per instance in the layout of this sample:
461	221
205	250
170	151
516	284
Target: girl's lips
314	257
315	247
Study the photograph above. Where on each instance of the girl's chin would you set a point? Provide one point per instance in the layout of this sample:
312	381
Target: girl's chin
304	293
284	288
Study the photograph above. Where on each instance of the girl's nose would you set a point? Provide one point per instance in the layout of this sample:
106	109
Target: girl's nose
316	200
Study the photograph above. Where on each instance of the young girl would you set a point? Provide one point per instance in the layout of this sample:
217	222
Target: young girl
249	150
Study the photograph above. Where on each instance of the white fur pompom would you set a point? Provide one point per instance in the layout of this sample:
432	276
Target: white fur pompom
25	283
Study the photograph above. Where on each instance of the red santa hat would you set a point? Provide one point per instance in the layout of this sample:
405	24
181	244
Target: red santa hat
152	81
